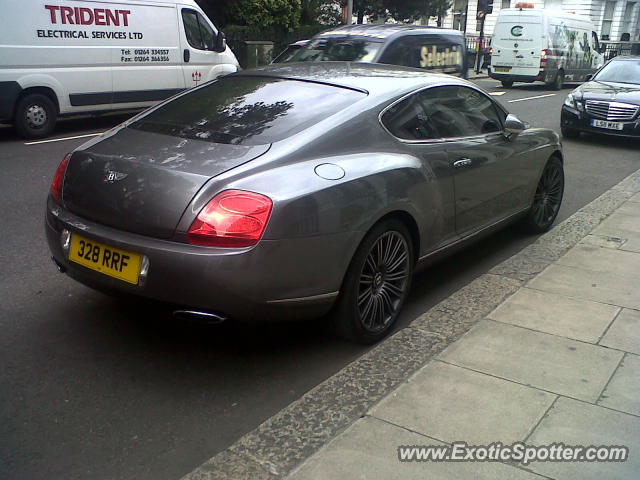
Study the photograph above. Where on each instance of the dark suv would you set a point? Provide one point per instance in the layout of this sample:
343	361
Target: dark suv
429	48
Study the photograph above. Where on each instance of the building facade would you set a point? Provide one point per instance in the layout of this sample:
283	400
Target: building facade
615	20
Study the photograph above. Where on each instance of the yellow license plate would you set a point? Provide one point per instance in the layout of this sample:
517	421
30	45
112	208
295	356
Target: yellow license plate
501	69
105	259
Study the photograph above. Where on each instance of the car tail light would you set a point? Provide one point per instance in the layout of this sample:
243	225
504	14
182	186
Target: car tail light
544	54
233	218
58	178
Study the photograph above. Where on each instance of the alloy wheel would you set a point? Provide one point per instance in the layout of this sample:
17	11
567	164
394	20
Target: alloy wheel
383	281
548	196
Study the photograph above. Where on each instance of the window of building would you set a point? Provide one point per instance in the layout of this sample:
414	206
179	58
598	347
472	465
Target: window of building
607	20
505	4
627	26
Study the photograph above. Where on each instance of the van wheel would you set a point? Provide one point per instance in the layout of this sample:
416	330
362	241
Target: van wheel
376	284
35	116
506	83
558	82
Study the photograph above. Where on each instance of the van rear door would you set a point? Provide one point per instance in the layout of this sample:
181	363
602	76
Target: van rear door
517	42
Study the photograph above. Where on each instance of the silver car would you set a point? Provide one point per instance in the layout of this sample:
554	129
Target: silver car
297	190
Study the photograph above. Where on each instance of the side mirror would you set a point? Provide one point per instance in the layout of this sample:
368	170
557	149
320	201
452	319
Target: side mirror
588	77
513	126
221	42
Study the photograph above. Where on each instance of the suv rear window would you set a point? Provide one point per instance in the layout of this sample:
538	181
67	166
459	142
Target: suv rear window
247	110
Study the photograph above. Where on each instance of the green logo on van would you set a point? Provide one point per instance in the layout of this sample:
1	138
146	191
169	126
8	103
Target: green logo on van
516	31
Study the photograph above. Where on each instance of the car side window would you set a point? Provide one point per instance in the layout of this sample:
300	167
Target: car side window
460	111
199	33
407	120
399	53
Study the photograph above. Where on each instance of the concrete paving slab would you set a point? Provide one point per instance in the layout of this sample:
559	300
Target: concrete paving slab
576	423
556	314
614	289
619	228
603	241
624	333
606	260
555	364
629	208
368	450
623	391
451	404
618	223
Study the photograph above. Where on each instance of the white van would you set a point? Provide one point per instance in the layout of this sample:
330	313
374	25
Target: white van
543	45
60	57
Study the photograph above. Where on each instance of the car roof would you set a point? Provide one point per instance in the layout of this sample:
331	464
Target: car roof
386	30
374	78
626	57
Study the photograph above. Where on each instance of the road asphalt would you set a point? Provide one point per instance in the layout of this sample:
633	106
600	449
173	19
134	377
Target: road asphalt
543	349
95	387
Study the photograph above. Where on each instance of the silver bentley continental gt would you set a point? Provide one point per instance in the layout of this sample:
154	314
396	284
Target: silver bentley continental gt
297	190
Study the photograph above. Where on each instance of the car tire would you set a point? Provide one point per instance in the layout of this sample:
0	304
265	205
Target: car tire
506	83
35	116
376	284
547	199
569	132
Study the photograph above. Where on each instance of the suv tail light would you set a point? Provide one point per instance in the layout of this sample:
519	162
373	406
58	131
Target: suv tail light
233	218
58	178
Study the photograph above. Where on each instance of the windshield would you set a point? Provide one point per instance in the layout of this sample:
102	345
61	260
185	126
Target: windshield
621	71
247	110
345	49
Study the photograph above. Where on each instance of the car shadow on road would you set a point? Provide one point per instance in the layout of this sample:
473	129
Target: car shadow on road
608	141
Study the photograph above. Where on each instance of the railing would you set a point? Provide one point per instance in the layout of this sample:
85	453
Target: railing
613	49
473	45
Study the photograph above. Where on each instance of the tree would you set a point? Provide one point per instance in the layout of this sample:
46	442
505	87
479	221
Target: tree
277	14
323	12
400	10
265	14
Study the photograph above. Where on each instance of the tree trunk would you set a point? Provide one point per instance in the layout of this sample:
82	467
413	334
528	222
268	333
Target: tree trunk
360	15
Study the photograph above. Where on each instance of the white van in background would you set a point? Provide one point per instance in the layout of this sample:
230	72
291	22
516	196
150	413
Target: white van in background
543	45
60	57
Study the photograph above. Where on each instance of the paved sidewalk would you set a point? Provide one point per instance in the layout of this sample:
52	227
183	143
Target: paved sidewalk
558	361
544	348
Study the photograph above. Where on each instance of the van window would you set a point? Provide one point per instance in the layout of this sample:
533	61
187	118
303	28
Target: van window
199	33
245	110
433	52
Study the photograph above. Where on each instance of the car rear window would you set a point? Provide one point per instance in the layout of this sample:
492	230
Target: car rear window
326	48
247	110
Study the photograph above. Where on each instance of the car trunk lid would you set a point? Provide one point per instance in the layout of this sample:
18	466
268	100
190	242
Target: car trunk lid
142	182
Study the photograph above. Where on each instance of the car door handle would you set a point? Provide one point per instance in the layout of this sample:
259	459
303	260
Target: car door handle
462	162
186	55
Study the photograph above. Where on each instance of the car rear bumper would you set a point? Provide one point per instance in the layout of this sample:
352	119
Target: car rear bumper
274	280
581	121
507	77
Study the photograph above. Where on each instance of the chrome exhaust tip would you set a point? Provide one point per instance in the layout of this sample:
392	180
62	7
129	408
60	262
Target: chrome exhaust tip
199	316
